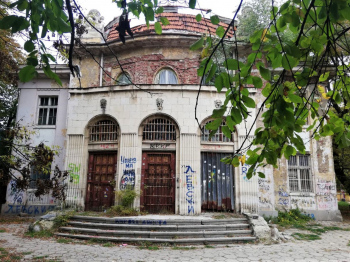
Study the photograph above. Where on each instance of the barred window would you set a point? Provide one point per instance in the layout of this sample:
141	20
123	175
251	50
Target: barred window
47	110
159	129
36	175
299	173
217	137
166	77
103	131
123	79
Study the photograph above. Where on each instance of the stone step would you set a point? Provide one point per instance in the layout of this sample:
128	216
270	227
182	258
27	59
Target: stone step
204	240
152	221
144	227
152	234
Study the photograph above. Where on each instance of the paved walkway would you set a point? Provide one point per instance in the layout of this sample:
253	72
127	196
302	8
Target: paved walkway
334	246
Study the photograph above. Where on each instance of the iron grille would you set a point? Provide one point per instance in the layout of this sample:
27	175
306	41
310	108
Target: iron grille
299	173
217	137
159	129
104	130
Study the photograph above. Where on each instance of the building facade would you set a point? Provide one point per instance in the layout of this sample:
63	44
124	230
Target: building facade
116	135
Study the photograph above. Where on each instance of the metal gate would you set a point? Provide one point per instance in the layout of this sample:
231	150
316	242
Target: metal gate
158	182
100	186
216	183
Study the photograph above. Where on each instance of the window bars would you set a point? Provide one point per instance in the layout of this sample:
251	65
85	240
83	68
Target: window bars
159	129
299	173
47	110
103	131
217	137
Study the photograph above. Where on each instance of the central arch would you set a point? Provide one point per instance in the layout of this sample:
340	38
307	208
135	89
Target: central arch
159	135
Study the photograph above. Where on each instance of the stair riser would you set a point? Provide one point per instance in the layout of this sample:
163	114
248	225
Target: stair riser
168	241
159	234
180	228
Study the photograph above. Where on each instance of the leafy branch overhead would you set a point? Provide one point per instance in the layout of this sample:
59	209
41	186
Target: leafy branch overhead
299	62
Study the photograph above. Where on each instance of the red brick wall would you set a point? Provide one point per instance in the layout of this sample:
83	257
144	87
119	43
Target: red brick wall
143	69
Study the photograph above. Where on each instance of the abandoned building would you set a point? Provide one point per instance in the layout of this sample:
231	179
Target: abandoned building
113	134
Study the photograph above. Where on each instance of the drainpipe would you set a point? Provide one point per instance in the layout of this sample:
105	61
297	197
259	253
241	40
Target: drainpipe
101	66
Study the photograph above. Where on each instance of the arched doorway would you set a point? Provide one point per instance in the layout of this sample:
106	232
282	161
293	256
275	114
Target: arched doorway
102	134
159	135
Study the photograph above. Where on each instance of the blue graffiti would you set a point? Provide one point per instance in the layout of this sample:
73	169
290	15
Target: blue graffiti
30	210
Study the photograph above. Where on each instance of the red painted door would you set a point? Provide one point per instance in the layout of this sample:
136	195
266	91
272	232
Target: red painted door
158	182
100	181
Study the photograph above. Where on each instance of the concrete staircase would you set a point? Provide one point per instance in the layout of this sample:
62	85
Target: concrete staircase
167	230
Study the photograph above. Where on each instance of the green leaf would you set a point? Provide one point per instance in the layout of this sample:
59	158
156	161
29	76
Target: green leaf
236	115
230	123
226	131
288	62
160	10
52	75
231	64
164	21
261	175
63	26
257	82
218	113
324	77
158	28
219	83
249	102
213	125
289	151
211	73
198	17
29	46
215	19
192	4
295	99
235	161
198	44
220	31
265	73
8	21
27	73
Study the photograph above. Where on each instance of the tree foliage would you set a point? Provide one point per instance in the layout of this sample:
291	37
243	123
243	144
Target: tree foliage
304	78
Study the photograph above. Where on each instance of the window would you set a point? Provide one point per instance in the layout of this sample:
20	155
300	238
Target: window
47	110
35	175
299	173
104	130
123	79
159	129
166	77
217	137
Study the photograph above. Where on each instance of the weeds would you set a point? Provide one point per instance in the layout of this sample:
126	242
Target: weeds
5	255
208	246
301	236
39	234
183	248
64	241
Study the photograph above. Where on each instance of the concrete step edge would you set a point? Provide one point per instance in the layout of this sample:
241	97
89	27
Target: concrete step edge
161	240
155	234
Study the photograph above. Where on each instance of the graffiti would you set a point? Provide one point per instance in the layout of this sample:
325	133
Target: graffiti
283	201
128	179
244	172
282	192
16	195
140	222
106	146
264	201
190	189
328	202
264	185
30	210
325	188
128	162
74	173
310	215
155	146
303	202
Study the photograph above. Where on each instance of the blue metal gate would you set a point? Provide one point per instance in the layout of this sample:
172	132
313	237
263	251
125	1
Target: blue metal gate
217	183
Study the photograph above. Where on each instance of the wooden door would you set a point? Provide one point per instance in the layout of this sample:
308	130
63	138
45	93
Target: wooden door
158	182
100	182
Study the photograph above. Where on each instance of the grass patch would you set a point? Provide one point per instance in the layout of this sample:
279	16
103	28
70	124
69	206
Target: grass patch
64	241
108	244
208	246
2	231
26	253
40	234
343	205
40	257
5	255
183	248
302	236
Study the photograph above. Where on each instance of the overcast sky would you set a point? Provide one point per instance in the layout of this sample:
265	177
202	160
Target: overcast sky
110	10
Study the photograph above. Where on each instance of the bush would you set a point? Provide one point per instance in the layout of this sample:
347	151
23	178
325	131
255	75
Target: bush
126	197
292	217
